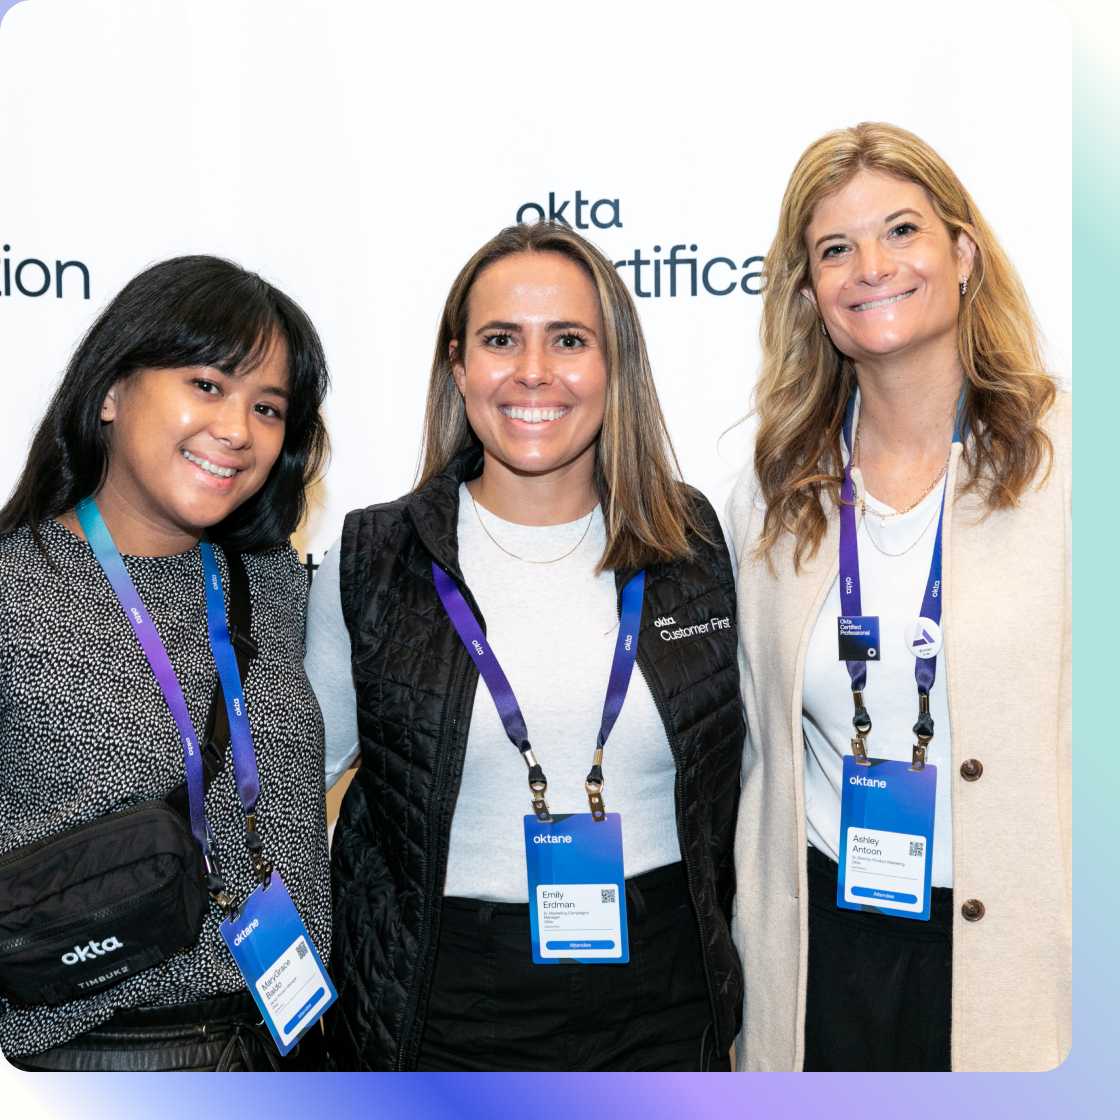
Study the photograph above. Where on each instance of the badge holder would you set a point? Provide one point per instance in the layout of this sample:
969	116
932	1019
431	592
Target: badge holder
886	838
887	814
577	889
282	968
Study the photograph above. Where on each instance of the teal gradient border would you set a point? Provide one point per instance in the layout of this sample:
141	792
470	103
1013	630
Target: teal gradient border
1081	1086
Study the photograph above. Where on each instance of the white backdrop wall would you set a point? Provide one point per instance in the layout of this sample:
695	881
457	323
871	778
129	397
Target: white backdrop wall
356	157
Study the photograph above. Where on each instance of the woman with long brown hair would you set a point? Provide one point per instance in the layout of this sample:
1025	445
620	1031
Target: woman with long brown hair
903	850
582	921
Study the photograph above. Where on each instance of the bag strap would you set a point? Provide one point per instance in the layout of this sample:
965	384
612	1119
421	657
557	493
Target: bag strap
216	737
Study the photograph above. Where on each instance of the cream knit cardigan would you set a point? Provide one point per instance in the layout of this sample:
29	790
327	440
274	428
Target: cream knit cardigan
1007	627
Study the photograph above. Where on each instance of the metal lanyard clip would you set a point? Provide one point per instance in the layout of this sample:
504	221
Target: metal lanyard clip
216	883
262	866
861	721
594	787
923	729
538	786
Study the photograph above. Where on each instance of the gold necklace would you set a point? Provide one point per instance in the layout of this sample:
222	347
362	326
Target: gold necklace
911	546
913	505
525	559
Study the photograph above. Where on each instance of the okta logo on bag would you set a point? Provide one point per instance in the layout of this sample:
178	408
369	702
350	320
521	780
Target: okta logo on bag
93	949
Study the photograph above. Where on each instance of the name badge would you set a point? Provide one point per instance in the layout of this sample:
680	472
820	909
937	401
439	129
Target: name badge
886	838
859	637
577	891
278	959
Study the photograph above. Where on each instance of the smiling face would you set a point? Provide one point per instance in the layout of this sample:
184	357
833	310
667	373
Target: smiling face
188	446
885	271
531	367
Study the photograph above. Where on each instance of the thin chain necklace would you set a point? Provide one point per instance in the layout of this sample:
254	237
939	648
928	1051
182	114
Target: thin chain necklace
913	505
911	546
525	559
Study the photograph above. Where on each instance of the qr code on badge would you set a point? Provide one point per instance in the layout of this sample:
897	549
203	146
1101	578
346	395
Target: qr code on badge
917	847
607	895
301	948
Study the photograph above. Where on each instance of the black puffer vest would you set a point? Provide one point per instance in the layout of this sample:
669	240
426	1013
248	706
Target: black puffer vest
415	686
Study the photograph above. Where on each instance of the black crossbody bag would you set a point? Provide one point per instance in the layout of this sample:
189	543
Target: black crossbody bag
88	908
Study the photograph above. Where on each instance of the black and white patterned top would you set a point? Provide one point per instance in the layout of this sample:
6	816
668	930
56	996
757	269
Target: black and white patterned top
85	731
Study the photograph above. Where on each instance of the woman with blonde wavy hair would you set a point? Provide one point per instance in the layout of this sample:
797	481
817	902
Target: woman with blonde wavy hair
478	930
903	847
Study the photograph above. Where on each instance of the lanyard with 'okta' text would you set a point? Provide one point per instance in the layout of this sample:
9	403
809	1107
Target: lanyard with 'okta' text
925	640
625	653
241	737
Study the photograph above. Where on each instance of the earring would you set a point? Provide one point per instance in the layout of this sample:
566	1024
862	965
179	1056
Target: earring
964	286
824	329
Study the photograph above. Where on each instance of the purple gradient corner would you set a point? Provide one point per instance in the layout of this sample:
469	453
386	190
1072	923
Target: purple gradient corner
6	6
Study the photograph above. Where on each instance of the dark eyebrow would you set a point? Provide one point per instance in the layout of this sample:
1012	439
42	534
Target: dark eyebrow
886	221
497	325
827	237
555	325
241	371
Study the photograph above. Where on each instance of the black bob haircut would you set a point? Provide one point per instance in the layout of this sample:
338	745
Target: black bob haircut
188	311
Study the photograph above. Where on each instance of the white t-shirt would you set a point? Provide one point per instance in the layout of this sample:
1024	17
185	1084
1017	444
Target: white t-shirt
892	587
553	628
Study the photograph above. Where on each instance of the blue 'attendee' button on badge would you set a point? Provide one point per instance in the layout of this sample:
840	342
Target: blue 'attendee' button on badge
579	944
290	1025
885	896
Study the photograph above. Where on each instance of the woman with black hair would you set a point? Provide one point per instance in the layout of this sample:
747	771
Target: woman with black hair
184	433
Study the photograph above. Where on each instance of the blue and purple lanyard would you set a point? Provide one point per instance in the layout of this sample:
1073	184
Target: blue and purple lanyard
241	736
925	669
509	711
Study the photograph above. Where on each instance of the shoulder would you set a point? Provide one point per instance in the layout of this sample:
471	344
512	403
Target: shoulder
1058	424
375	522
277	568
16	545
278	586
702	508
710	554
20	558
746	507
36	568
379	546
376	531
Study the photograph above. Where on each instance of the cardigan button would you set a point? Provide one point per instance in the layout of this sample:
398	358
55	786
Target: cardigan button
971	769
972	909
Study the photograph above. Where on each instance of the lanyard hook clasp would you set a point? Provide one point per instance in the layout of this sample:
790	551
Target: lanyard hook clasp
262	866
923	729
861	721
538	787
216	884
594	786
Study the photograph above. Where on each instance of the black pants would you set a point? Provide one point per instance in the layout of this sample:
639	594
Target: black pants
221	1034
491	1008
879	986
